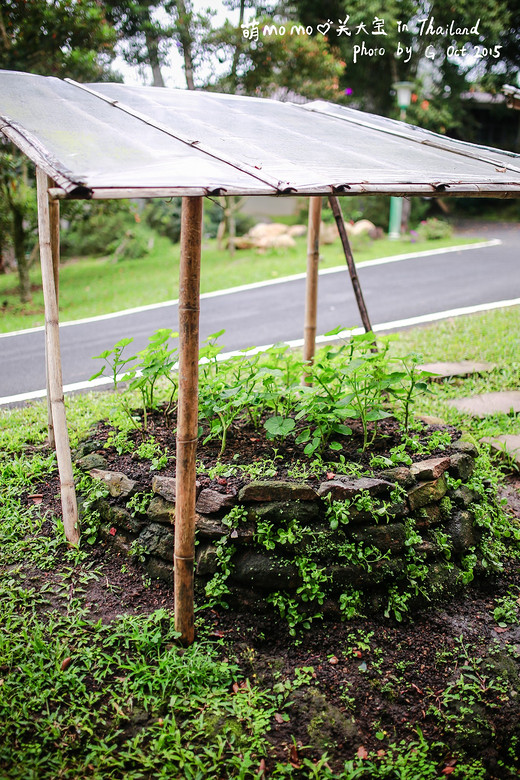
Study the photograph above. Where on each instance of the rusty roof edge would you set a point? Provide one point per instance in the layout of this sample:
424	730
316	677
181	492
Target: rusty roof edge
39	154
426	142
249	170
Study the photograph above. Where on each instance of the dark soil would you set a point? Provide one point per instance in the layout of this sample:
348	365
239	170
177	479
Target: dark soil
373	681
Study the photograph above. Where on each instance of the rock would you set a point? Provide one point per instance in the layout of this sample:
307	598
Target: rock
460	529
462	466
328	233
85	447
267	490
349	575
119	485
427	493
428	515
206	560
297	230
159	569
164	487
360	227
400	474
117	516
385	537
275	242
443	579
466	444
209	528
430	469
464	496
342	488
283	512
161	511
157	540
211	501
267	230
92	461
265	572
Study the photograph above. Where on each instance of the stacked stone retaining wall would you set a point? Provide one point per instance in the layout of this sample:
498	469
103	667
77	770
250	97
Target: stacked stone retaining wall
383	530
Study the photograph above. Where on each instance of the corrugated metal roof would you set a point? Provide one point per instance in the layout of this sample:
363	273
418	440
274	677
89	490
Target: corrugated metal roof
111	140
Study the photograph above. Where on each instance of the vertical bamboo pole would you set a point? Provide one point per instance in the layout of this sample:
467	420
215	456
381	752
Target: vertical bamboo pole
54	216
311	290
55	382
187	418
338	216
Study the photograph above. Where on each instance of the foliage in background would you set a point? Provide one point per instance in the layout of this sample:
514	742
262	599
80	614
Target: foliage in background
439	82
102	228
64	39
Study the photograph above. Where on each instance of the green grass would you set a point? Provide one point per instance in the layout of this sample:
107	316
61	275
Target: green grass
93	286
488	336
79	699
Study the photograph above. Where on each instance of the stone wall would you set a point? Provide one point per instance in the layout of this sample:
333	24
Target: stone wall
372	534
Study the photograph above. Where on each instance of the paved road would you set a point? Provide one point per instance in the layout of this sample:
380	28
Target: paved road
267	314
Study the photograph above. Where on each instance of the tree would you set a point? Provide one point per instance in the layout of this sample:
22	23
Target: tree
52	38
433	61
147	29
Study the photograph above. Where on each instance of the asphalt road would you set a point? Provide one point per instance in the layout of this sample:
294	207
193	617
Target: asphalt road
267	314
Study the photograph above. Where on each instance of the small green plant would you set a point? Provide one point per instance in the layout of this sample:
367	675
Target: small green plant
138	503
137	551
434	229
506	611
351	603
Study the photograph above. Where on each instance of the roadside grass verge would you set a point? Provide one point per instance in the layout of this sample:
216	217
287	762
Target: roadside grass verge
94	286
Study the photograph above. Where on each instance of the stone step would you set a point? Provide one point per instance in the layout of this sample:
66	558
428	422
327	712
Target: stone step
485	404
460	368
506	444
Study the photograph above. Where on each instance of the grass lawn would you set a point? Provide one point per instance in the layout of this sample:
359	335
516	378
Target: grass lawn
93	286
85	699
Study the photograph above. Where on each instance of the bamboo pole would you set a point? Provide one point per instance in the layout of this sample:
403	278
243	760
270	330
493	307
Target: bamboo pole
338	216
54	217
187	418
311	290
55	388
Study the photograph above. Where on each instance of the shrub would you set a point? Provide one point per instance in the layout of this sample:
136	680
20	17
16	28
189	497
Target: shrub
433	228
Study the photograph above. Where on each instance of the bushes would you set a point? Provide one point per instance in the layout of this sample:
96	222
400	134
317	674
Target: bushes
102	228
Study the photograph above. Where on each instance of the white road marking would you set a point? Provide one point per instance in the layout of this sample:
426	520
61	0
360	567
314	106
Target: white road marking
258	285
382	326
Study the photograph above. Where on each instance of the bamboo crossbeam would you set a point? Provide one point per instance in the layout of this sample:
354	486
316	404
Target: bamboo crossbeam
356	286
187	417
311	289
55	382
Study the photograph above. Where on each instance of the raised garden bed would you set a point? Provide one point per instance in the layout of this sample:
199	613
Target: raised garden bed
342	538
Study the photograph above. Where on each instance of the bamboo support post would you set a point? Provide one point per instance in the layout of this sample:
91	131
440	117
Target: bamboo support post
311	290
54	378
338	216
187	419
54	217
